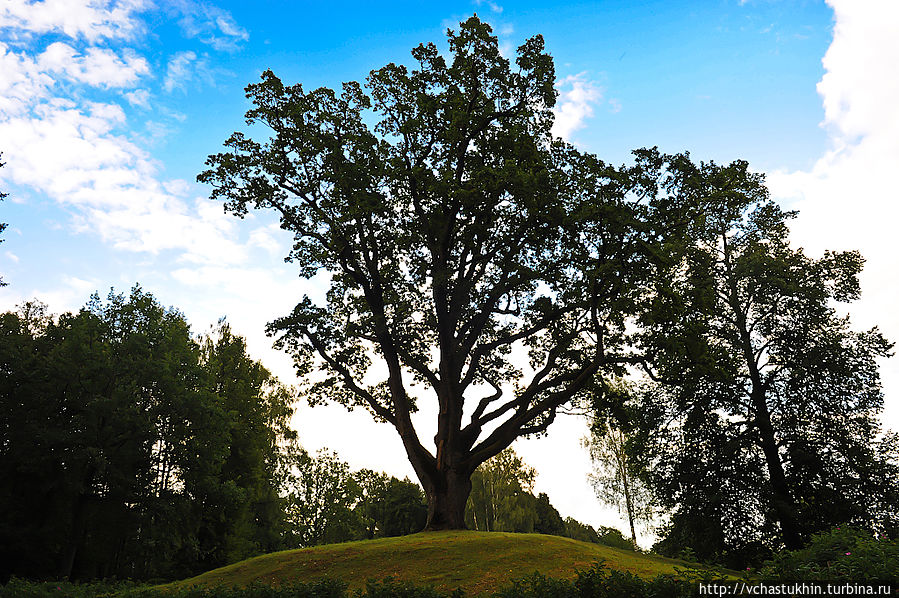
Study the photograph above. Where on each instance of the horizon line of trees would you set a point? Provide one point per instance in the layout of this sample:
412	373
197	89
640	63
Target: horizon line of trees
132	448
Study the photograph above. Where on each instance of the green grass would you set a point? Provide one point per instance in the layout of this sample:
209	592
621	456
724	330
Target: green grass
477	562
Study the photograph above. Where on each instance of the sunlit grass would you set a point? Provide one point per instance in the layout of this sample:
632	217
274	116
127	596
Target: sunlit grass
477	562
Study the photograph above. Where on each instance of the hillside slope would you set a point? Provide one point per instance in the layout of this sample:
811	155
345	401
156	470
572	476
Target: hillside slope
477	562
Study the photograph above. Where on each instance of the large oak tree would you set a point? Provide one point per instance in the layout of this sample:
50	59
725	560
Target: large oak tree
469	253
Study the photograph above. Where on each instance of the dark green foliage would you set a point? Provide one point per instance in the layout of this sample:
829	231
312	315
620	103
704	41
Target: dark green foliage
501	499
20	588
441	205
601	582
548	520
243	511
390	506
390	588
759	428
129	449
842	553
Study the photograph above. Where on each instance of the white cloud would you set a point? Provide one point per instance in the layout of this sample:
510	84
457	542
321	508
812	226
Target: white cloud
577	97
849	199
21	81
89	19
98	67
179	71
138	97
80	153
209	24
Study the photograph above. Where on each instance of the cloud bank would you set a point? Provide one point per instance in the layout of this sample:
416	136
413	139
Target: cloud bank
849	199
64	128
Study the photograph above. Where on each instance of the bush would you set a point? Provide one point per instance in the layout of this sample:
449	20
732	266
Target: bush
600	582
20	588
325	588
843	553
596	582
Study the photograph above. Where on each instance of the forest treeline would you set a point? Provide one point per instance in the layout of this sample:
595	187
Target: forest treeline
131	448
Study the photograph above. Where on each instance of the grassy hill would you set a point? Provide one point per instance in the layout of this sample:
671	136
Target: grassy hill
477	562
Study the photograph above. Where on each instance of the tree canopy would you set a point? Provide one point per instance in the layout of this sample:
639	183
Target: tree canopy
763	416
471	255
130	449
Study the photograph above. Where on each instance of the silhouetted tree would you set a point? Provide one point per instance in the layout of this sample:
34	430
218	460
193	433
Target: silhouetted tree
454	229
766	400
128	450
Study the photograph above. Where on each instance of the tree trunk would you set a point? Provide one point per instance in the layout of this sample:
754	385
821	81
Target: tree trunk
783	504
75	539
782	501
447	497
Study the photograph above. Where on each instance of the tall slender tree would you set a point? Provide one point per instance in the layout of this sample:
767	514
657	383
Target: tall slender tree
615	478
455	230
756	368
501	499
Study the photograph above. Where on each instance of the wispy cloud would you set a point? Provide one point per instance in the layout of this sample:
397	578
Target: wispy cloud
577	97
138	97
210	24
179	70
90	20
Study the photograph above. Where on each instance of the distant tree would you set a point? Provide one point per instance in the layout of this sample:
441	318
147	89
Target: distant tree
576	530
766	402
548	520
615	477
610	536
390	506
454	229
501	499
322	497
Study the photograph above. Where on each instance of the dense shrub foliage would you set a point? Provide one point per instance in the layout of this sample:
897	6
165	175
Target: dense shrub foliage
596	582
131	448
840	553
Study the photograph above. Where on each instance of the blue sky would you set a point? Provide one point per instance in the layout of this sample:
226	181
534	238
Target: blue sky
108	109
